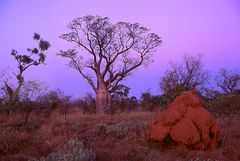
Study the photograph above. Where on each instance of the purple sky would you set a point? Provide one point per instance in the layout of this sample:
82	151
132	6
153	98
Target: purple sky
209	27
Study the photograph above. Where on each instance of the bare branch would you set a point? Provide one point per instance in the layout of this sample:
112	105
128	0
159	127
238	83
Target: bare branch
114	50
75	63
228	81
184	76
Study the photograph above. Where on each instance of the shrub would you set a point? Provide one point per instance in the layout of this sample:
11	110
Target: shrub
87	104
121	100
150	102
199	159
12	143
124	104
15	145
75	151
49	101
225	103
120	129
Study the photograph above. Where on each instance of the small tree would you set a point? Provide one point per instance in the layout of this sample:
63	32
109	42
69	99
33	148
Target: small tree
133	101
50	101
120	98
226	101
149	102
89	104
110	52
185	76
30	92
65	105
34	57
229	82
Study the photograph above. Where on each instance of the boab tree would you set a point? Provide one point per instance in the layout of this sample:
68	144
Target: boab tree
110	52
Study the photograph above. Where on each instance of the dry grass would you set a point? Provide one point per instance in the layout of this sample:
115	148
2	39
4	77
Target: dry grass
44	135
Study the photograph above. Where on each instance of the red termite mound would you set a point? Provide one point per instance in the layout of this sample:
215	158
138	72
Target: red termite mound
187	122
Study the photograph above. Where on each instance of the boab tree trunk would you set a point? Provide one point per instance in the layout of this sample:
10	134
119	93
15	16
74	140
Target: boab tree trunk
103	98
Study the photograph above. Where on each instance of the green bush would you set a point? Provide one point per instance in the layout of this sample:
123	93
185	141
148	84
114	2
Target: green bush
75	151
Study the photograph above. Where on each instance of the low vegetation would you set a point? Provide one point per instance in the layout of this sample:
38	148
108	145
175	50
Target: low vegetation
119	137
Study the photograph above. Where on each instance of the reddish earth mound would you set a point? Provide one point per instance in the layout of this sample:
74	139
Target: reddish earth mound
187	122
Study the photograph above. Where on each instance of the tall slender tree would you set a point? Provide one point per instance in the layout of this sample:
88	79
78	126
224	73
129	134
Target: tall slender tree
34	57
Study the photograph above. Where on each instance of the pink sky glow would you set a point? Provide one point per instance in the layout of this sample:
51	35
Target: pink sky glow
208	27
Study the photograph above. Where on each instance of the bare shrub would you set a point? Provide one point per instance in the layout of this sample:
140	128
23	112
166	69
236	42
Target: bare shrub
184	76
228	81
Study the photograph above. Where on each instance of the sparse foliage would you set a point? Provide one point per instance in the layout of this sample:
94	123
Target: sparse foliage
66	105
32	89
34	57
121	129
229	82
121	100
110	52
89	103
75	151
49	101
225	101
149	102
225	104
121	91
184	76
